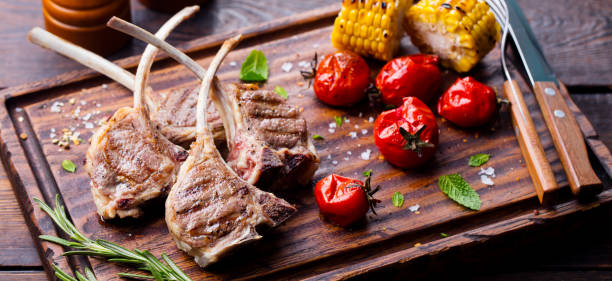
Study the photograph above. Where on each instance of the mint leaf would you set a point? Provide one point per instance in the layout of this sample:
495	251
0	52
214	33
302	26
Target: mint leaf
68	166
281	92
367	173
338	121
317	137
255	67
455	187
397	199
479	159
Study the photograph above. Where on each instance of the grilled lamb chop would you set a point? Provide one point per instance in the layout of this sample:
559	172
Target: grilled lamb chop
210	210
173	112
268	140
129	161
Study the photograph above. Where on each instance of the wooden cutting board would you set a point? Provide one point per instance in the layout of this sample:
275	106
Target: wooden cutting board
304	247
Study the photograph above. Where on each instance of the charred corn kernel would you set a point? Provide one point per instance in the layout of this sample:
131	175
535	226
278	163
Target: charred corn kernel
374	27
460	32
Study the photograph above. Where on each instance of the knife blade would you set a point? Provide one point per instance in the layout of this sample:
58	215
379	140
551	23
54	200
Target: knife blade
561	123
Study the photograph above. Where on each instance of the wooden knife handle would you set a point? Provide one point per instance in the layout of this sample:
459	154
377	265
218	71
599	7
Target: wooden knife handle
568	139
539	169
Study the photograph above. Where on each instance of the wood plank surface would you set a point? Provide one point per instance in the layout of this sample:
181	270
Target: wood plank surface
560	59
305	239
16	246
585	31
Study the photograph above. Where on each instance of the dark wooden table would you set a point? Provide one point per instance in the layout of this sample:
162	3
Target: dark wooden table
577	39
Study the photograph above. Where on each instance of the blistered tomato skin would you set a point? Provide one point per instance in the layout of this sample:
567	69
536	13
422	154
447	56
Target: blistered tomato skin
341	200
409	76
342	79
468	103
412	115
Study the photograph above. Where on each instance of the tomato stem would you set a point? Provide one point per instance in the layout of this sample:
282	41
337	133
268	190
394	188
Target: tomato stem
414	142
310	75
369	192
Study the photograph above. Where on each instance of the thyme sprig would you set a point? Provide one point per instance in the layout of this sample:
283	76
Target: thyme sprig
143	260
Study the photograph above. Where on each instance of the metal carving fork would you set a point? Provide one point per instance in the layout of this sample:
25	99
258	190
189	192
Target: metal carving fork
561	123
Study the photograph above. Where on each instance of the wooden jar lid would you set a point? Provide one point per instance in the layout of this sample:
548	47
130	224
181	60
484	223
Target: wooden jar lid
86	26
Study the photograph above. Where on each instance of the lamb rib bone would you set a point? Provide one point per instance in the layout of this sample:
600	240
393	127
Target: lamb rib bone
129	161
268	141
210	210
173	111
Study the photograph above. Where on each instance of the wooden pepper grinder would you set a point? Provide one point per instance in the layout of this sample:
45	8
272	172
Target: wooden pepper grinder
83	22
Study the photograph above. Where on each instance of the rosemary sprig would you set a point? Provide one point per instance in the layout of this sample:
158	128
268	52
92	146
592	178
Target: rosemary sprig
112	252
89	276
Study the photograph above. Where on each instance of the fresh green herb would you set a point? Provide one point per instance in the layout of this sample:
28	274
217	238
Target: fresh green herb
367	173
144	260
479	159
281	92
338	121
68	166
254	68
317	137
89	276
397	199
443	234
455	187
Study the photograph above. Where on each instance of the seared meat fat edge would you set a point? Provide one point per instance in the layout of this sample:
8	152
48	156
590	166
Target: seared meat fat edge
210	210
129	161
268	139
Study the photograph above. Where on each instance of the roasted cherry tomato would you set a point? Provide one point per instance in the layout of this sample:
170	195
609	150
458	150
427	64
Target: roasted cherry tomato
344	200
468	103
409	76
408	135
342	79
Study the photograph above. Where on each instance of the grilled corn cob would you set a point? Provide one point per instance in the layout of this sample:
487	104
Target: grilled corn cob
370	27
460	32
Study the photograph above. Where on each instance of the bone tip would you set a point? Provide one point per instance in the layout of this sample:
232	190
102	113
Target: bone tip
113	21
33	33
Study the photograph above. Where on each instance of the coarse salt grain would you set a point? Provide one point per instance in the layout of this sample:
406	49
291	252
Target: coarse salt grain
356	126
346	158
489	171
371	119
20	118
331	131
353	134
346	120
486	180
89	125
329	156
364	131
287	66
360	114
56	107
83	102
335	162
414	208
332	125
349	153
232	63
104	86
366	154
